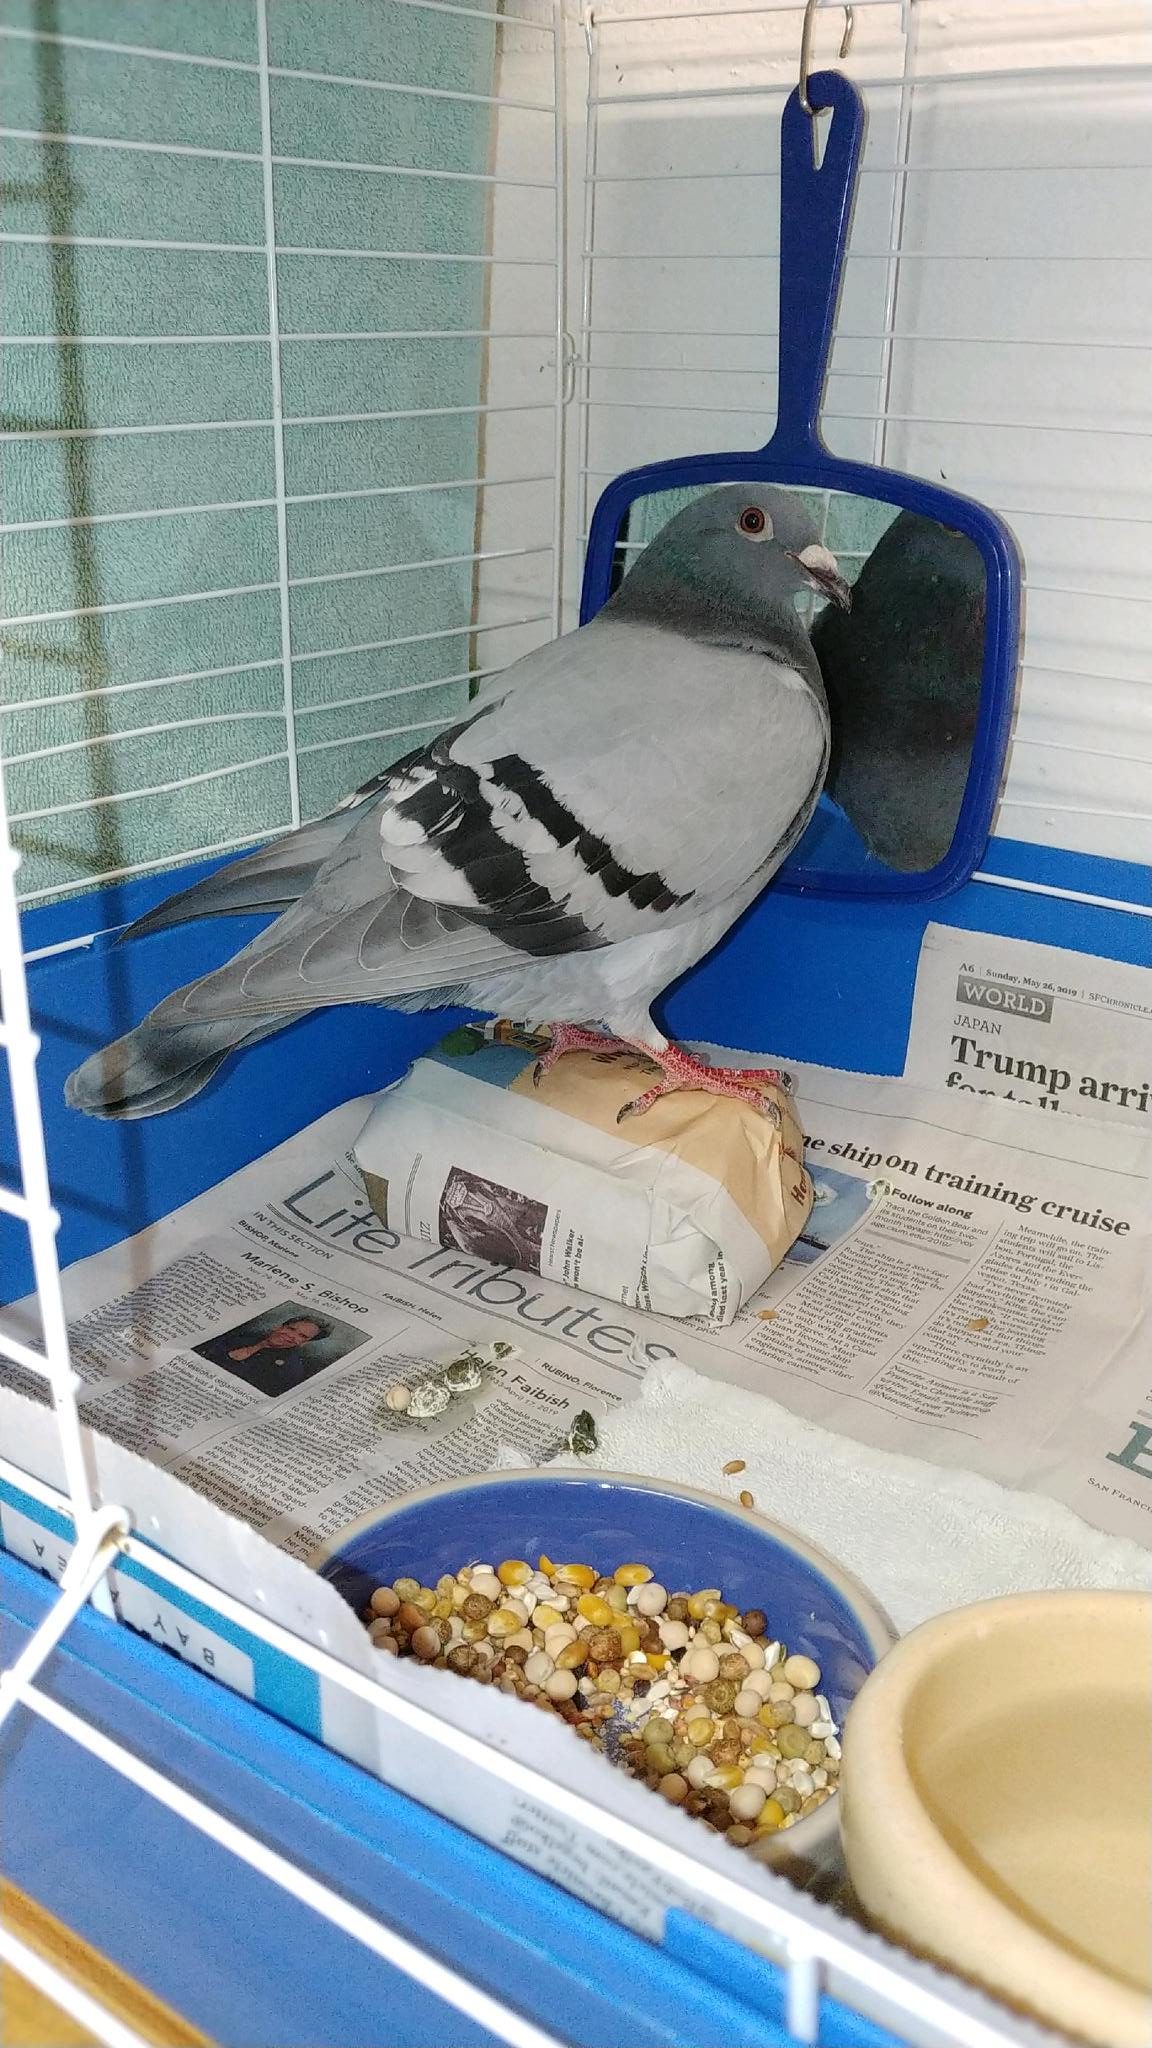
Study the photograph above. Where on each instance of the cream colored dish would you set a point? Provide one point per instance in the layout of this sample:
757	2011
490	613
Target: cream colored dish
996	1803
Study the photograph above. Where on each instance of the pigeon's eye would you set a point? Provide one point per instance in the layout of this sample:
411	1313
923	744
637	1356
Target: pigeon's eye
753	523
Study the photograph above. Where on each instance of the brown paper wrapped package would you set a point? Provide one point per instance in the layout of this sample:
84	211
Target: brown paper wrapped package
684	1210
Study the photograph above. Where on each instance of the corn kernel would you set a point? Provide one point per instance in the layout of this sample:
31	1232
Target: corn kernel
770	1816
546	1616
726	1777
595	1610
514	1572
629	1638
571	1656
576	1575
505	1622
700	1731
545	1565
632	1574
698	1603
657	1659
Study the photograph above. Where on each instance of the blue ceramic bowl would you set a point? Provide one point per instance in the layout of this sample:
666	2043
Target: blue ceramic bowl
607	1519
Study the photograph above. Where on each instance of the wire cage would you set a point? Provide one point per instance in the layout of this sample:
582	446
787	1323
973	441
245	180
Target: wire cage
454	267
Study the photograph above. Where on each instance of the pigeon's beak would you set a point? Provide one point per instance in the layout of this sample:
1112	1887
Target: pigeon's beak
819	567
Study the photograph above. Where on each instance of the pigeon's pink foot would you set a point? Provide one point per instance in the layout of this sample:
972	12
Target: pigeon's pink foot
679	1070
575	1038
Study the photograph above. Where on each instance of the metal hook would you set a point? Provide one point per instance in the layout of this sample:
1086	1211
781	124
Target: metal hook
806	49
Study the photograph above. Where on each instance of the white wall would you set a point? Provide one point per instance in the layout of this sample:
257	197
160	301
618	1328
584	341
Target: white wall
1022	303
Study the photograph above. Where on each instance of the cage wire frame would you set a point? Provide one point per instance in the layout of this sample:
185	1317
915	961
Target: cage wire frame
819	1953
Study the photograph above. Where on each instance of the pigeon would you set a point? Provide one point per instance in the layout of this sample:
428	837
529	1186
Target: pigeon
902	675
559	856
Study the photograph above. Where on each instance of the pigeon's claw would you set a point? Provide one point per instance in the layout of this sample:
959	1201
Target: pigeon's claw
679	1070
573	1038
676	1070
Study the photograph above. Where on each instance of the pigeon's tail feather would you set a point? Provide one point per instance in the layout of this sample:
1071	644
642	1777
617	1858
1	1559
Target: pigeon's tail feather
269	879
159	1066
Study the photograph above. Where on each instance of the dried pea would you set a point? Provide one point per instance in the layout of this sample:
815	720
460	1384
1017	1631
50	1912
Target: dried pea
793	1740
603	1645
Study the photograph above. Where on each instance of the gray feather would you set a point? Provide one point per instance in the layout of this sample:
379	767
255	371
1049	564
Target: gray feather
153	1069
268	879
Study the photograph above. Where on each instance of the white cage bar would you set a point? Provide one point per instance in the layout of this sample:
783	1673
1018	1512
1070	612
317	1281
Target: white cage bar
820	1952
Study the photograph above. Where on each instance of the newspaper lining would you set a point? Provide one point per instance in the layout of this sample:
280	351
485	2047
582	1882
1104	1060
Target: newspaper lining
1060	1031
969	1289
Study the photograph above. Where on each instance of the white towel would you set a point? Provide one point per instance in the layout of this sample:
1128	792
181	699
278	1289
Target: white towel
920	1538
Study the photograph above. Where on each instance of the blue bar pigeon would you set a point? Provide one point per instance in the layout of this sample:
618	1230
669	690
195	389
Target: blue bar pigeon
560	856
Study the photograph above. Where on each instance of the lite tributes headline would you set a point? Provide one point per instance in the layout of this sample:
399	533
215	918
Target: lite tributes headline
321	1205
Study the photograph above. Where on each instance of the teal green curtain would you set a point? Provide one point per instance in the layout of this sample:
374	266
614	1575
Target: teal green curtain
158	550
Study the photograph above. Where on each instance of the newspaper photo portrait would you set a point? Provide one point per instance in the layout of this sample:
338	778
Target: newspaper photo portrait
281	1348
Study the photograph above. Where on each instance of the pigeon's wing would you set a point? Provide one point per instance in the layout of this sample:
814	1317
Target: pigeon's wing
602	802
269	879
275	875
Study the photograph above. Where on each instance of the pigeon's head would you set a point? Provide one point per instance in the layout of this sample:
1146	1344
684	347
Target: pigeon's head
744	549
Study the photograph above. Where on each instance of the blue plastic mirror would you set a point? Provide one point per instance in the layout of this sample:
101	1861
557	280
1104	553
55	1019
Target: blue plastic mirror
920	673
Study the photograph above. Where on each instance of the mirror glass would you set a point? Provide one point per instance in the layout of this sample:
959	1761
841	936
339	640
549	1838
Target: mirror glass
901	668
